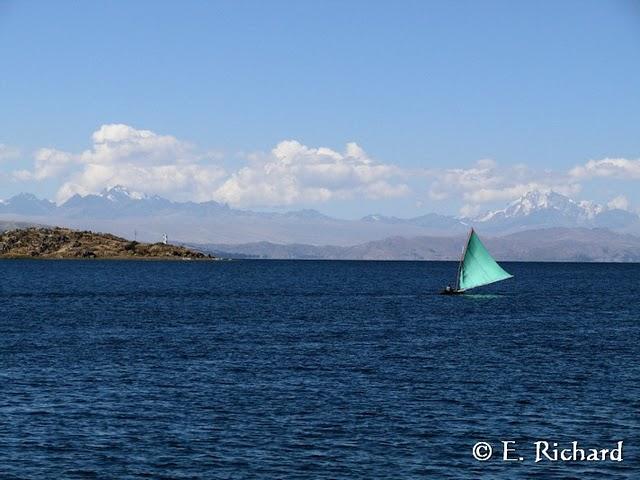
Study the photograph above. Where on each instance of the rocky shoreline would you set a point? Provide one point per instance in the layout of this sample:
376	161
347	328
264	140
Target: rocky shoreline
65	243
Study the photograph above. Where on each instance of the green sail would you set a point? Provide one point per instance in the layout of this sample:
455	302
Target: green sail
478	267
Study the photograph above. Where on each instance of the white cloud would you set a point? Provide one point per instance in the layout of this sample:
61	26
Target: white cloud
22	175
143	160
470	211
511	192
118	143
487	182
50	162
184	182
608	167
8	152
621	202
294	173
138	159
291	173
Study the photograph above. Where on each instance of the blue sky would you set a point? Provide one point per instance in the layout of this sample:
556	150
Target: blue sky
426	90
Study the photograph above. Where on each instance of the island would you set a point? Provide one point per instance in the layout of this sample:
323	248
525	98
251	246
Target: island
62	243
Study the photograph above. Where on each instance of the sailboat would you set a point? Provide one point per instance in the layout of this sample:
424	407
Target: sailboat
477	267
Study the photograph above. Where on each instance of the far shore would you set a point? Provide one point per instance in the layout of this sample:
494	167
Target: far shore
127	258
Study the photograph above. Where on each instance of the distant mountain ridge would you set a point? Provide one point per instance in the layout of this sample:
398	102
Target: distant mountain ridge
550	209
557	244
534	202
13	225
146	217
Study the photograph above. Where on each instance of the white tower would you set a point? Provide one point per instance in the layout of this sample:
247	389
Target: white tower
164	238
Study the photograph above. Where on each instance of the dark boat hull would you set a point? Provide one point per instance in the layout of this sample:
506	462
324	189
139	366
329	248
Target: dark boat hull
451	292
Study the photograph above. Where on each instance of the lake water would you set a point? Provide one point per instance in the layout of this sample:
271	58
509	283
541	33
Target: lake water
313	370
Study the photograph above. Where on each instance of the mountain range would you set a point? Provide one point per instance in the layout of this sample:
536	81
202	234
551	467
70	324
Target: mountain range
311	234
558	244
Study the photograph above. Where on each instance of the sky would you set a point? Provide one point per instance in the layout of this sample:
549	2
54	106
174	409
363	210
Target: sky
400	108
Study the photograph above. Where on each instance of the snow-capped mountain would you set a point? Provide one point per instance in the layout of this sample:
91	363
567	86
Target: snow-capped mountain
26	204
535	209
114	202
538	209
121	194
147	218
120	211
536	202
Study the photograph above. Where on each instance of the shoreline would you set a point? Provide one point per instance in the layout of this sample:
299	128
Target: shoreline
145	259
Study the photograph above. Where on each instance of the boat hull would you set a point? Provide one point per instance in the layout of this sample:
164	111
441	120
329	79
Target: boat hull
451	292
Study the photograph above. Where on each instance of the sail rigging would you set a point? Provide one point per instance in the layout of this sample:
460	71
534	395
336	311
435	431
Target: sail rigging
477	266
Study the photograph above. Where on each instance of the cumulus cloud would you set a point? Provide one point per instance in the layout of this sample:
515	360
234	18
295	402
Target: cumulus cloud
145	161
290	174
470	211
620	202
608	167
49	163
184	182
118	143
294	173
122	155
8	152
487	182
22	175
510	192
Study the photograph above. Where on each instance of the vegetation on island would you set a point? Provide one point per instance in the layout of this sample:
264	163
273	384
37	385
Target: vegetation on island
57	242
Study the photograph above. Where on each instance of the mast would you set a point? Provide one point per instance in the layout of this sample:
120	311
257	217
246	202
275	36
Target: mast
464	252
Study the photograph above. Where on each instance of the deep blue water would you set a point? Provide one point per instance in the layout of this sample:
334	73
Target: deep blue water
312	370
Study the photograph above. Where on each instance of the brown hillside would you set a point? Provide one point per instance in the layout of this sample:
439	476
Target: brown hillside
66	243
